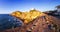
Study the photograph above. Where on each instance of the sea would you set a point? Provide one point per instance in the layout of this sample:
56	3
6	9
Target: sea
7	22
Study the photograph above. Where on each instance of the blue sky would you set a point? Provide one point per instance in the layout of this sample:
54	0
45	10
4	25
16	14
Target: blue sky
8	6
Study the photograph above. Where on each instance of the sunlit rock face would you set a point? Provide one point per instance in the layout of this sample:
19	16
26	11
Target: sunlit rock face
27	16
7	22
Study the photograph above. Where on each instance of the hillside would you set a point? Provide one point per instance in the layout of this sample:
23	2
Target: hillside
27	16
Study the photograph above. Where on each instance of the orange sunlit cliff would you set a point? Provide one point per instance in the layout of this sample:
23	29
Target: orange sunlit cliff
27	16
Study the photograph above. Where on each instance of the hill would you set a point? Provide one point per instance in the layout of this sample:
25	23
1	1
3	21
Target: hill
27	16
37	22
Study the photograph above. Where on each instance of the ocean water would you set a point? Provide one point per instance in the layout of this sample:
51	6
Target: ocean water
7	22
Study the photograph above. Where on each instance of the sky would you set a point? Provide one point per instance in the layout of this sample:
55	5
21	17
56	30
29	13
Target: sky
9	6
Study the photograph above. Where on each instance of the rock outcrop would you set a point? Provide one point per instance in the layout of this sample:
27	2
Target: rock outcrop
27	16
